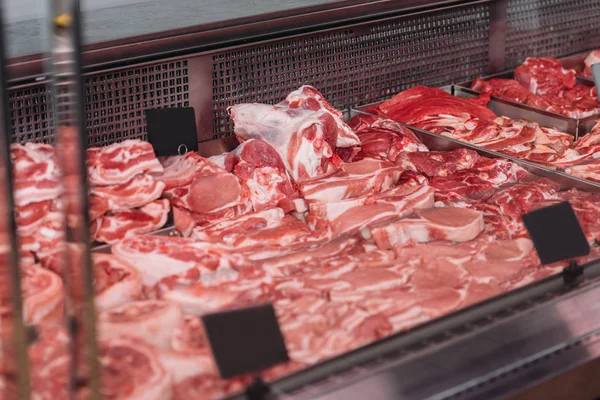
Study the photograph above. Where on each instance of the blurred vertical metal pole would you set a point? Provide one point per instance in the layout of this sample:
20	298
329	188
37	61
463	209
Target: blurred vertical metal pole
70	124
20	334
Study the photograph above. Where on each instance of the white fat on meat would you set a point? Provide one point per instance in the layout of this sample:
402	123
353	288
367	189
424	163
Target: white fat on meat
131	363
43	295
141	190
298	135
448	223
154	321
310	98
116	281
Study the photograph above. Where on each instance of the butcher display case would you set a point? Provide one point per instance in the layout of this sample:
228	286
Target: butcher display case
392	248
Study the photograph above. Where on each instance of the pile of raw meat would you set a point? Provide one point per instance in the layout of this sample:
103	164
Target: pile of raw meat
353	231
591	59
124	191
466	119
544	83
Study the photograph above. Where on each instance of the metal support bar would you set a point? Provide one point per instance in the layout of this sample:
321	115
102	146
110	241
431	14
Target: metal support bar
70	123
20	334
497	51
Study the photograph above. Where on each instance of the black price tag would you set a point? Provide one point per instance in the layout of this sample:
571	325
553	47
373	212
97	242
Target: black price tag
172	131
556	233
245	340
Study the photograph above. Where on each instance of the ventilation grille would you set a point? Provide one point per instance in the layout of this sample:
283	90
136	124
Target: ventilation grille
556	28
115	104
354	67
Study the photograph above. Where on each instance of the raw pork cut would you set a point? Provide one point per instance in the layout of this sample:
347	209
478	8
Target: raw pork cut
349	216
154	321
131	371
591	59
114	226
304	139
381	138
441	163
43	295
202	187
159	257
115	282
36	173
309	98
361	178
29	218
261	234
446	223
138	192
118	163
260	168
208	387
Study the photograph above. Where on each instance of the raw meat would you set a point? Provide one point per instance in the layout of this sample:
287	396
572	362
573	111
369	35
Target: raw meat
43	295
159	257
260	235
36	173
208	387
115	282
304	139
589	170
154	321
349	216
118	163
114	226
442	163
139	191
29	218
260	168
420	102
591	59
361	178
309	98
509	89
132	371
202	187
381	138
447	223
544	75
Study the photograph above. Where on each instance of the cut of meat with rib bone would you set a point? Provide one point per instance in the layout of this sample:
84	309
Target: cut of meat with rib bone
304	139
118	163
350	216
309	98
138	192
447	223
361	178
114	226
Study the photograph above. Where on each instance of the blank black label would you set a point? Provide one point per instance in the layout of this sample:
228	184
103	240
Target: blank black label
245	340
556	233
172	131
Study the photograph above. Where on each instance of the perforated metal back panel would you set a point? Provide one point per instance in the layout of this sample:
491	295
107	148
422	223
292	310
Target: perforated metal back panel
356	66
115	102
554	28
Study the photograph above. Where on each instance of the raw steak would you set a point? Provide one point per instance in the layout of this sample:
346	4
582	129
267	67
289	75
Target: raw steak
114	226
303	138
350	216
544	75
509	89
138	192
420	102
447	223
36	173
309	98
361	178
118	163
203	187
159	257
154	321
